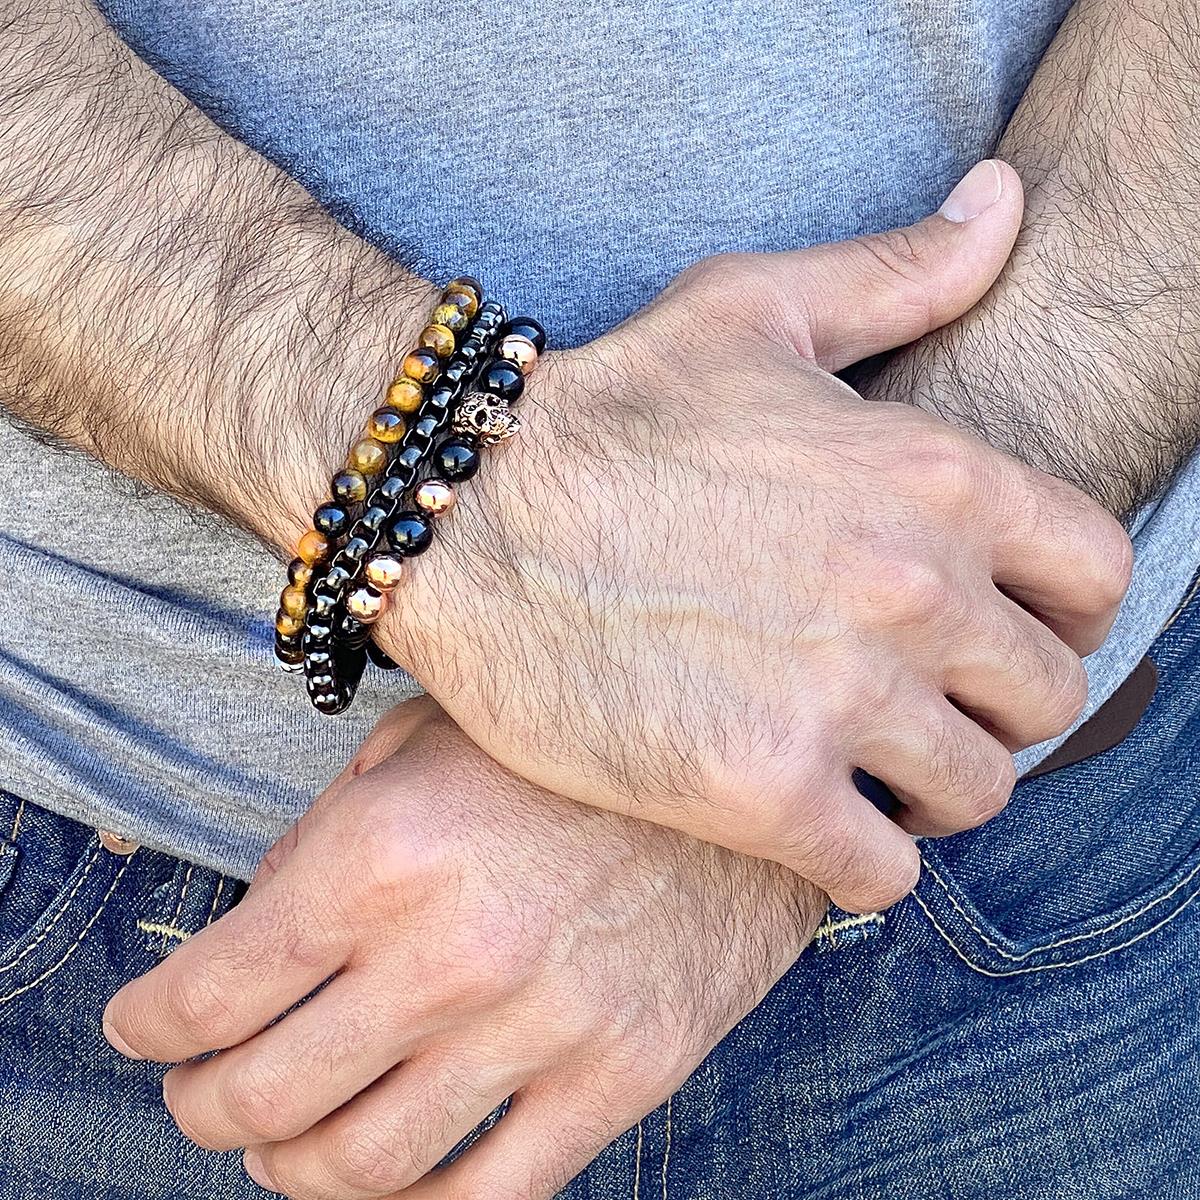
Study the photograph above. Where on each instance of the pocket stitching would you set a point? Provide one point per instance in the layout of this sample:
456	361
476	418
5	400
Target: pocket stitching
58	916
74	945
1055	966
1066	941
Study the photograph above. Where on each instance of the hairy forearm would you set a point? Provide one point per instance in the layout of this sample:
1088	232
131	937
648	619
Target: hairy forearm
1085	359
171	302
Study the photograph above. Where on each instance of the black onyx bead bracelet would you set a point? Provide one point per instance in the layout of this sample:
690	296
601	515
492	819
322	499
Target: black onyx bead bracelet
454	395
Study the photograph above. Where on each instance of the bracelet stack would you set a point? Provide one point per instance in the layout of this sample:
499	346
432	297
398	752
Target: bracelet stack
454	395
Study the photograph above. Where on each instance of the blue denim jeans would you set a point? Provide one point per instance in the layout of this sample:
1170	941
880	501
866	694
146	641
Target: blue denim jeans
1024	1025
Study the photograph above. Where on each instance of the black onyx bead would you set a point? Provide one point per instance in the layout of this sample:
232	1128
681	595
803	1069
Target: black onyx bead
410	534
439	400
391	488
331	520
356	549
503	379
383	661
323	606
318	659
289	641
321	680
426	427
457	459
336	578
527	327
410	457
456	370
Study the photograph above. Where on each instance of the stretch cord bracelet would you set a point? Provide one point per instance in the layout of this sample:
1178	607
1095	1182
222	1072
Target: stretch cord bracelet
448	326
469	406
335	640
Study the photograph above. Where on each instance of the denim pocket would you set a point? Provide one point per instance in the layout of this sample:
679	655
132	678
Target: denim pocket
58	879
1092	858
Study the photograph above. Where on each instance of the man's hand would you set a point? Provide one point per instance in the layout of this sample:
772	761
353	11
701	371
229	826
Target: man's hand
481	939
711	581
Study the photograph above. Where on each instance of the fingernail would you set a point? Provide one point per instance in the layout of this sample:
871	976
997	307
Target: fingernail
118	1043
975	193
252	1164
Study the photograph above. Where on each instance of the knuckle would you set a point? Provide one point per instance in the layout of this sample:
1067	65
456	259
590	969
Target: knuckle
904	263
996	776
907	592
199	1006
722	282
1113	561
1066	697
885	883
257	1100
373	1158
944	466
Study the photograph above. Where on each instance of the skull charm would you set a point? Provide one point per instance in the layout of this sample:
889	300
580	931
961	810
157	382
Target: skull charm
486	418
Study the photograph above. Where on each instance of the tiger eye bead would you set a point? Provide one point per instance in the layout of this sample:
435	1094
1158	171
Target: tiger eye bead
368	456
386	425
466	283
293	601
300	573
287	625
422	364
384	572
439	339
519	351
461	298
313	548
366	604
405	395
451	316
434	496
350	487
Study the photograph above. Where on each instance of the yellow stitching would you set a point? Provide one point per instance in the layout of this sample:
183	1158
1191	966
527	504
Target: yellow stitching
666	1151
829	928
1077	937
637	1166
166	930
12	837
8	966
1191	594
1077	962
74	945
216	897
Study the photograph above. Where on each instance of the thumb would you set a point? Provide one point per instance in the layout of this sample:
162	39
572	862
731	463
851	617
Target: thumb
875	293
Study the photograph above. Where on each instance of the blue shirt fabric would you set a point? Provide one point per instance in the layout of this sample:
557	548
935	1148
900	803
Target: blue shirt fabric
573	157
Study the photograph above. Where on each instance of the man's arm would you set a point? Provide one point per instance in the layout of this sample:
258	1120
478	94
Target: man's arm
1084	360
170	301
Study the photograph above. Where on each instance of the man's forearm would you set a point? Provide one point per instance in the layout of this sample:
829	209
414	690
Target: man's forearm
171	302
1085	359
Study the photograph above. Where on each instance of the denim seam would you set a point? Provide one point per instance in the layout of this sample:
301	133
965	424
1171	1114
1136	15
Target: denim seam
12	837
1078	937
828	929
183	891
666	1150
58	916
1056	966
74	945
166	931
637	1164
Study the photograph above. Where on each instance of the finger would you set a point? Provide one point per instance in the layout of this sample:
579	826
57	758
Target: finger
394	1132
871	294
949	773
229	981
545	1139
1013	673
288	1077
850	850
1063	557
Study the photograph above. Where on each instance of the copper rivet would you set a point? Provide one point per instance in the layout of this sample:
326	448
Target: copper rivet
117	844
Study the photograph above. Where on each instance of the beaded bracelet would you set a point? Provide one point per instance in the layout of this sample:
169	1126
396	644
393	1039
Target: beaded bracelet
345	583
448	323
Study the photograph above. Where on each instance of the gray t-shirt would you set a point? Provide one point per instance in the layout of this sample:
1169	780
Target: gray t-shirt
137	686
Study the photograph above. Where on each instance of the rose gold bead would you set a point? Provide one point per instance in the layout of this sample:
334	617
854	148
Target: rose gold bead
366	604
313	547
435	496
294	601
384	572
519	351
